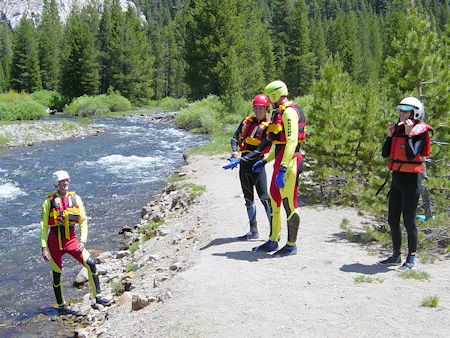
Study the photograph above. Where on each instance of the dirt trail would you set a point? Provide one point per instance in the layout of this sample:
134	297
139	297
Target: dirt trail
231	291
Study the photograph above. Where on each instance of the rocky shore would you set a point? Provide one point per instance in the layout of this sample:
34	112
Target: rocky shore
27	133
154	250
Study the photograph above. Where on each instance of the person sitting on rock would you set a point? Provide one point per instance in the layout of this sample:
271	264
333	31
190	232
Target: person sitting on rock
62	211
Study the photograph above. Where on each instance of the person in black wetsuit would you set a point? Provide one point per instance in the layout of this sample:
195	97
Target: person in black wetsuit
406	145
248	136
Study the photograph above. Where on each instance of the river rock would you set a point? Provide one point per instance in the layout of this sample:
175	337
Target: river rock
138	302
81	277
122	253
126	298
104	257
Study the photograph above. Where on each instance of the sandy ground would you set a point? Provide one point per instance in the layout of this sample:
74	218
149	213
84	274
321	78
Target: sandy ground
230	291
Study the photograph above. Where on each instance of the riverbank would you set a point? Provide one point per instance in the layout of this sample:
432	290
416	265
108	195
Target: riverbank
27	133
194	279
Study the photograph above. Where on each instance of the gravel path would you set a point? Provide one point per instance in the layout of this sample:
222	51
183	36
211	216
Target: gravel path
229	291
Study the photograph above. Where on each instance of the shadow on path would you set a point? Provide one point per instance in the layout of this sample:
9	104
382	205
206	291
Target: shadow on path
221	241
246	255
371	269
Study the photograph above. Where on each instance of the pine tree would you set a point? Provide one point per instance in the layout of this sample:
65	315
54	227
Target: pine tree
215	31
50	43
80	70
278	25
25	75
318	41
132	61
300	63
6	54
105	45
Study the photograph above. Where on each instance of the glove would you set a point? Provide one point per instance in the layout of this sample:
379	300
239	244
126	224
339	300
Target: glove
258	166
279	180
233	163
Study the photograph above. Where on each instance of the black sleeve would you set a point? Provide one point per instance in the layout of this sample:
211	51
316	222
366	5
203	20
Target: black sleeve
414	145
386	151
235	139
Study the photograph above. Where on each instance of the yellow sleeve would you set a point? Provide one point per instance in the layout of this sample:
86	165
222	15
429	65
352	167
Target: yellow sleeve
44	222
290	122
83	220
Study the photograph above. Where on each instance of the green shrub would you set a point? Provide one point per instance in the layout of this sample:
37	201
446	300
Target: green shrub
49	98
203	116
21	110
170	103
118	103
13	97
85	106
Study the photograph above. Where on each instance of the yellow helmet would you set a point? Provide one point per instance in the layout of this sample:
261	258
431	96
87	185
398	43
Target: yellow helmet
275	90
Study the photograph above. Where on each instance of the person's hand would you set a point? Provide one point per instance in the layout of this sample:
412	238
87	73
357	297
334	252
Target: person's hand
409	125
233	163
235	154
391	128
45	254
258	166
81	246
279	180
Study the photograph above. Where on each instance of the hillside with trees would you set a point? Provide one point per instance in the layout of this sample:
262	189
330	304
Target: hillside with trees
348	62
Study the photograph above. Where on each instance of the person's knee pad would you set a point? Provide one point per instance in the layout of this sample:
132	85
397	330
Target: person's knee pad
91	265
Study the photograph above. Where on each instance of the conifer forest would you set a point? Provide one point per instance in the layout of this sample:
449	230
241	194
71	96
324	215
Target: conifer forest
347	62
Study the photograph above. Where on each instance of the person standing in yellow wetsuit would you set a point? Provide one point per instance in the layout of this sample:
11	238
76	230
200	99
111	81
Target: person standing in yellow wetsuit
286	130
61	212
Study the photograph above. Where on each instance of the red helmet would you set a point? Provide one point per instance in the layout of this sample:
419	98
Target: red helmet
261	100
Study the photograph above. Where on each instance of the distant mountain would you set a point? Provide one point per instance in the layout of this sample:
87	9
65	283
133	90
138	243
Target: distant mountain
13	10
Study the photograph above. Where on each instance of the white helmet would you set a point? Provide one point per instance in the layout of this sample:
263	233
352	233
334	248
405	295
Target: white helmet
412	103
59	176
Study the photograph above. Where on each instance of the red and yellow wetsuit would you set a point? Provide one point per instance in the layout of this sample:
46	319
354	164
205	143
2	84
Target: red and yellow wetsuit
61	214
286	130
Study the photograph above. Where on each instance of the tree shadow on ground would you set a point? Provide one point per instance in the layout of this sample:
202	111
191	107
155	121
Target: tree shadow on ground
367	269
244	255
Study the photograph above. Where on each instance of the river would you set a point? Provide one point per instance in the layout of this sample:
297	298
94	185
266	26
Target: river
115	173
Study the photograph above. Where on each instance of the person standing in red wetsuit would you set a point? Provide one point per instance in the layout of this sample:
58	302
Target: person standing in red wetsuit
62	211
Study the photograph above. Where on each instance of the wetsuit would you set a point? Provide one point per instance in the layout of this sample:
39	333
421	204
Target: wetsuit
287	154
62	214
255	130
404	191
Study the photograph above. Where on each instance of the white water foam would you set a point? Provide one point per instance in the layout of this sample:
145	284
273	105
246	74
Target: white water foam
129	166
10	191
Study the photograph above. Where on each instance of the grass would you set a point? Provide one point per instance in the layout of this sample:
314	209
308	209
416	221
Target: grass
427	257
129	266
196	190
367	279
176	178
134	247
219	143
5	138
116	286
415	274
430	301
68	125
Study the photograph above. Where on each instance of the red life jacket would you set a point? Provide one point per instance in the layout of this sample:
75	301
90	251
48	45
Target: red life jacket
63	210
252	133
398	161
276	131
